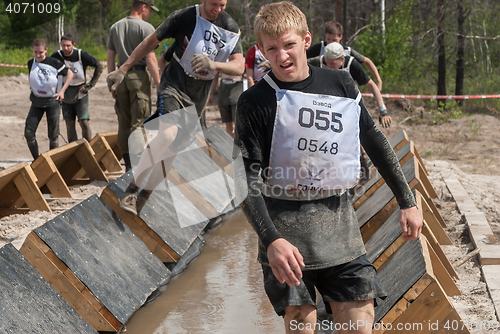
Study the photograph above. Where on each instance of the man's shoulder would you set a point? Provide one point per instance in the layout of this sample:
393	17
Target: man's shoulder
227	22
57	56
54	62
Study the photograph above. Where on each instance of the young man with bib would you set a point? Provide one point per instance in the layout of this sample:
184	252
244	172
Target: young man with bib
46	94
207	41
299	131
76	99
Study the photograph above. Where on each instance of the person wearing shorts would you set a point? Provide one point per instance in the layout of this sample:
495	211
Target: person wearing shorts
230	89
76	99
45	95
206	42
298	131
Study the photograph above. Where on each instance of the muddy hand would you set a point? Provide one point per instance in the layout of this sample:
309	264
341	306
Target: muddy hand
202	62
114	79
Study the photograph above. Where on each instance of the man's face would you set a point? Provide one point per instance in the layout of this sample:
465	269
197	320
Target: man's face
39	52
287	55
67	47
334	63
211	9
146	12
330	38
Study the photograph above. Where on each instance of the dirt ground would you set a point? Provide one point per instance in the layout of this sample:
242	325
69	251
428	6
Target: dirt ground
467	148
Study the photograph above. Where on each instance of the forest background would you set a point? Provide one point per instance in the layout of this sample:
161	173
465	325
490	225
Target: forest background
419	46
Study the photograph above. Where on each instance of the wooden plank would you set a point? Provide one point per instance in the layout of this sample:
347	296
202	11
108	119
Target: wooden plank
441	273
85	156
198	201
215	156
432	220
8	175
29	303
34	253
103	253
161	250
398	140
430	309
25	182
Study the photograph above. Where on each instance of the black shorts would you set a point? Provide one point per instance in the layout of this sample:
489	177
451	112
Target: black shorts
353	281
227	112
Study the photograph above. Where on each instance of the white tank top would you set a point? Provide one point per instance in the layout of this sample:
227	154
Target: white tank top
75	67
315	143
210	40
43	80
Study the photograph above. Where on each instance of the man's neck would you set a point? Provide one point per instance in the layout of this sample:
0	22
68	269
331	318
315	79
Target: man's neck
135	14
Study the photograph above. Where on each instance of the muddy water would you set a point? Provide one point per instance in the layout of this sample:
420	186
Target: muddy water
220	292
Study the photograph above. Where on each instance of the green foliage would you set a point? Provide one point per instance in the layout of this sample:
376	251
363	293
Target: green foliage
444	111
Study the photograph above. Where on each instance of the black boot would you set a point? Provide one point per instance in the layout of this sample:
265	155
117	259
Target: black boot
126	159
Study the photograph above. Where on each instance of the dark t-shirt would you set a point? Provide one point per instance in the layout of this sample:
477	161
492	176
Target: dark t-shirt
315	51
180	26
325	231
72	95
355	69
47	101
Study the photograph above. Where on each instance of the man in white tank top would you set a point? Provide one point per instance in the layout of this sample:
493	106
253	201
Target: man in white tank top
46	94
299	131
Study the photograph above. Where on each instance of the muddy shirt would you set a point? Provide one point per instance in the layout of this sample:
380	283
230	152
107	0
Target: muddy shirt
44	80
354	68
325	231
78	60
180	26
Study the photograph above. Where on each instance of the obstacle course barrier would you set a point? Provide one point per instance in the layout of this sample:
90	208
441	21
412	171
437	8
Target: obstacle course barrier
18	188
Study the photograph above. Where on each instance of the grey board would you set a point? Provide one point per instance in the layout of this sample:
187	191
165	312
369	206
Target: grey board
105	255
400	154
383	195
168	213
29	304
397	138
205	177
221	141
384	237
405	268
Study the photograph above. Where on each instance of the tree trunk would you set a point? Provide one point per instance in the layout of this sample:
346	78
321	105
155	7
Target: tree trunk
460	65
441	86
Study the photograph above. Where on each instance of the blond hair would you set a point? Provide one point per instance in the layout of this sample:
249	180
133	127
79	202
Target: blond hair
276	19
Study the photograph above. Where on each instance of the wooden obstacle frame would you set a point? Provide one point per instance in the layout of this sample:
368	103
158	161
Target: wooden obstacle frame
417	302
19	192
106	153
382	203
57	168
388	239
44	311
95	263
180	202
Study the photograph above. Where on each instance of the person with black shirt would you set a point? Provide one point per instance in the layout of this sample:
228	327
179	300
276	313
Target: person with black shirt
298	131
334	57
334	33
76	99
206	41
46	93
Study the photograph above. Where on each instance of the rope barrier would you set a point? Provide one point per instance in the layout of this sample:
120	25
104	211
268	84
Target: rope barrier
10	65
436	97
